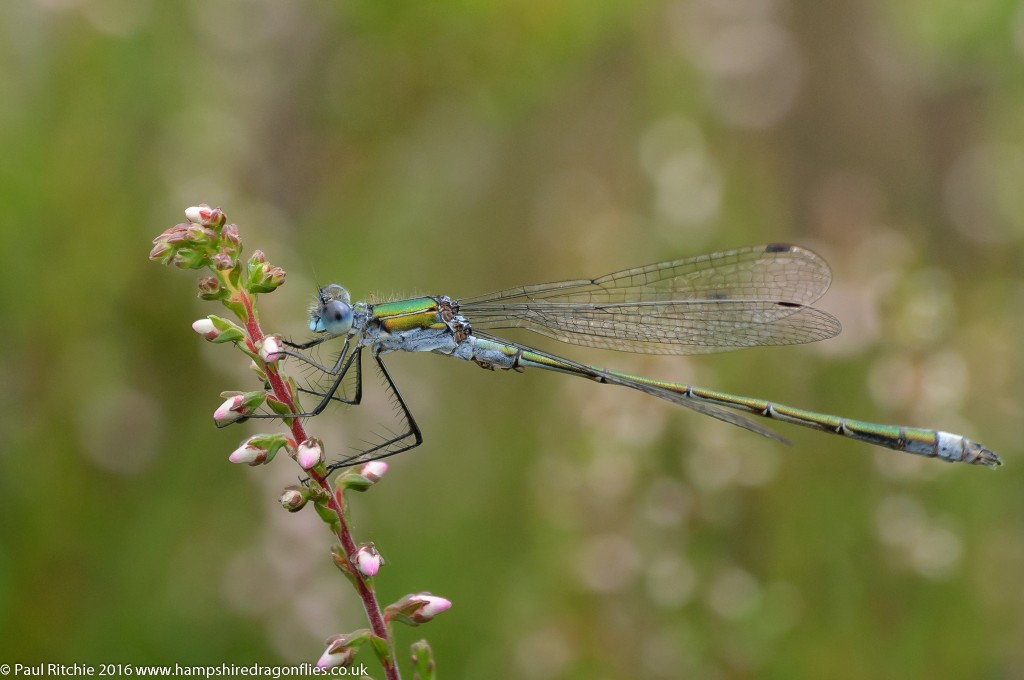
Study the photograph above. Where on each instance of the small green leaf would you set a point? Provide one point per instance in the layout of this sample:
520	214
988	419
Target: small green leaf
354	481
278	406
189	258
271	442
228	331
423	661
253	400
326	513
236	307
295	394
234	275
381	648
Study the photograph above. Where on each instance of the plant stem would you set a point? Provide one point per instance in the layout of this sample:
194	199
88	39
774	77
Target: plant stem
348	545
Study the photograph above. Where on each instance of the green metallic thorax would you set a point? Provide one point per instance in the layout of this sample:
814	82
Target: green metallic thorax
407	315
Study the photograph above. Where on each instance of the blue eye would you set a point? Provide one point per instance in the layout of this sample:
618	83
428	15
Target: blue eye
335	318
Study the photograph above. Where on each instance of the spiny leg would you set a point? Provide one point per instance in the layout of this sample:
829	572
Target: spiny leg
327	397
309	343
316	364
410	439
341	366
341	370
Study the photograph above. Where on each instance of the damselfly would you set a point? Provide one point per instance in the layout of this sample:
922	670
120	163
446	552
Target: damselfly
747	297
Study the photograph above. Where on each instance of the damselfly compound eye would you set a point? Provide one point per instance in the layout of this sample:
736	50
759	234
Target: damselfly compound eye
332	311
334	292
336	317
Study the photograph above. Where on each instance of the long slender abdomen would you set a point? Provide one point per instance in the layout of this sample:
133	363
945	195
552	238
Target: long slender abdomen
946	446
923	442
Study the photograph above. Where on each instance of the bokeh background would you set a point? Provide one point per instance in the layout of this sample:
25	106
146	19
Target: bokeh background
581	531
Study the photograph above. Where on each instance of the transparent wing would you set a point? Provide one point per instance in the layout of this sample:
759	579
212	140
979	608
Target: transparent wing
655	390
709	303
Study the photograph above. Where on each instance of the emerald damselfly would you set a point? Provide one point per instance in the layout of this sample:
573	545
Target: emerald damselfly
748	297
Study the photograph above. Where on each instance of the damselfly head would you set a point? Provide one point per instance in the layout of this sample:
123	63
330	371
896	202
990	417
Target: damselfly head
332	312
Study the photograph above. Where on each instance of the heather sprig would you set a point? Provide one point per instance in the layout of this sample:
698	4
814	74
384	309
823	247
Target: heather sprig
207	241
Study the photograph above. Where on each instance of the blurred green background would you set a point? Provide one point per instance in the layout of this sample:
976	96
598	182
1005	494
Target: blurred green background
460	147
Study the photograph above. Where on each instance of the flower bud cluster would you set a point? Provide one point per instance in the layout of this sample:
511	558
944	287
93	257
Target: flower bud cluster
207	241
262	276
193	244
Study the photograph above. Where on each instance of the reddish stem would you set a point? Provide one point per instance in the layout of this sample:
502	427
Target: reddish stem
348	545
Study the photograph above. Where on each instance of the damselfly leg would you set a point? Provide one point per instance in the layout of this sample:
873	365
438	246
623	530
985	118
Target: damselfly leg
409	439
337	374
308	344
391	444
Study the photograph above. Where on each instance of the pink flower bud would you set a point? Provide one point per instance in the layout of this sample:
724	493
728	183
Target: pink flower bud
209	288
231	410
416	609
205	328
162	252
338	659
218	330
222	260
363	477
294	498
310	453
341	649
367	560
248	454
275	277
432	606
195	213
374	470
270	349
230	235
259	448
175	235
205	215
238	406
